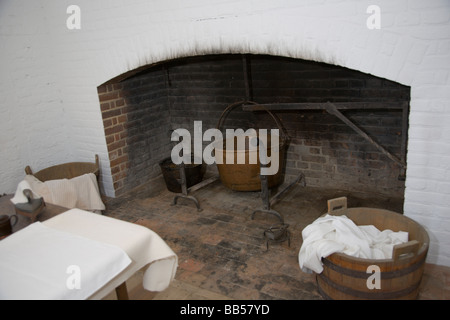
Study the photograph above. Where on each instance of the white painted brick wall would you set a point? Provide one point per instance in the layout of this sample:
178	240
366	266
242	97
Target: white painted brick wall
49	74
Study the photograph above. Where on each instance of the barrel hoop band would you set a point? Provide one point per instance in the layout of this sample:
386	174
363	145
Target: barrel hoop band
384	274
374	294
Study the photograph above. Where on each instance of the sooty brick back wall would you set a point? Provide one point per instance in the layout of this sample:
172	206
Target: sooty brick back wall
140	111
325	149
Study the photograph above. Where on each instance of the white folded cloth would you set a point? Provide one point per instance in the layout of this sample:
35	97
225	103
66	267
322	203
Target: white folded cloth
79	192
39	262
34	261
331	234
26	183
144	247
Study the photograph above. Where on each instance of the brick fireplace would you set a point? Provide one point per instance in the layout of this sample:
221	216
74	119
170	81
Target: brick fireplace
140	109
49	69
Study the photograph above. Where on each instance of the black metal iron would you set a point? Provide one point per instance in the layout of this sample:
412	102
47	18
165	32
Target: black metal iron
277	234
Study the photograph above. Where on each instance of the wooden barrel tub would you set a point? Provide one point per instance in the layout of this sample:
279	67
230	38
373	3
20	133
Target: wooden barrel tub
247	176
345	277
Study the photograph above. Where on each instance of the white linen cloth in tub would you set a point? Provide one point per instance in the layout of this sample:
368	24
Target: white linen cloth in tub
330	234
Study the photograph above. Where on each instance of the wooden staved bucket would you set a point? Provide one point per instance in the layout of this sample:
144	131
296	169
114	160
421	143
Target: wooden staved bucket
246	176
345	277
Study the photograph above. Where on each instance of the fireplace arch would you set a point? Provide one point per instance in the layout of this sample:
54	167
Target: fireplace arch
140	108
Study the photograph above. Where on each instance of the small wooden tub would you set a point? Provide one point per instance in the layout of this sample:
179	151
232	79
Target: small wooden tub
345	277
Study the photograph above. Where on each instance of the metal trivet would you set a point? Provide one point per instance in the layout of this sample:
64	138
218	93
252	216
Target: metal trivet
277	233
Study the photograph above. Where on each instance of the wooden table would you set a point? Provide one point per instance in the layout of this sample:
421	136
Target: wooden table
49	211
7	207
145	248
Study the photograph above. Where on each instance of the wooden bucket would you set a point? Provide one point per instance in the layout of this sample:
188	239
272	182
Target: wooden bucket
345	277
246	176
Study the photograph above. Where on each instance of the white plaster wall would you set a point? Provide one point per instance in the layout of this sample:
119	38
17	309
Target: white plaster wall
48	74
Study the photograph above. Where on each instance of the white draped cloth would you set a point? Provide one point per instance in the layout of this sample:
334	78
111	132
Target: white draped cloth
145	247
79	192
43	263
34	261
331	234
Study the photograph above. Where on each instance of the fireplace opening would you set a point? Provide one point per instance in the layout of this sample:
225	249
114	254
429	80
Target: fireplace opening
347	129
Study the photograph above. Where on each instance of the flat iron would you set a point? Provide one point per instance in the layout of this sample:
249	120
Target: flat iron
31	208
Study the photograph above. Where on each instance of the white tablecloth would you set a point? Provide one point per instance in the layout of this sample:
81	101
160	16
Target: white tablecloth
142	246
39	262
